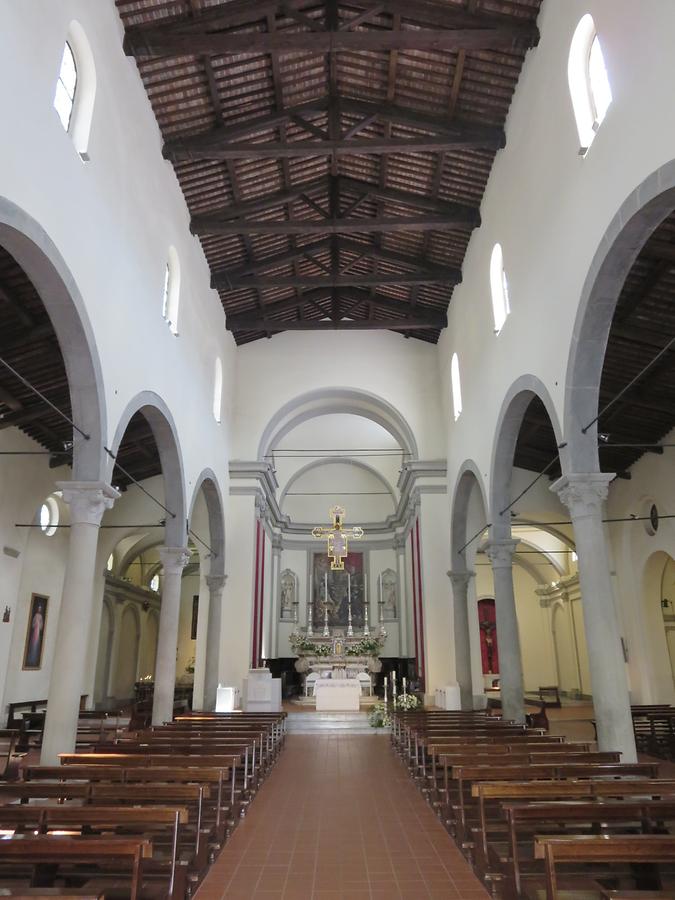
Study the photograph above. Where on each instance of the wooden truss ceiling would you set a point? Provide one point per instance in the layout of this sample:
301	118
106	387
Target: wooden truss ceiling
333	153
29	344
644	322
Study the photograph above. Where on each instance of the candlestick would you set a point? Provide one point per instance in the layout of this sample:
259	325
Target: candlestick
385	692
350	627
404	690
366	626
326	632
310	618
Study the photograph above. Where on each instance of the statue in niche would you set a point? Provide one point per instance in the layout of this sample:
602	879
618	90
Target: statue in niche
389	595
287	583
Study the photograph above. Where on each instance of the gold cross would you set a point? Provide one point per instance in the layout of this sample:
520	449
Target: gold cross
337	537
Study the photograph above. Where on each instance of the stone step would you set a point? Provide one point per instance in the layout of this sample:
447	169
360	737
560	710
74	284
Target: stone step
321	722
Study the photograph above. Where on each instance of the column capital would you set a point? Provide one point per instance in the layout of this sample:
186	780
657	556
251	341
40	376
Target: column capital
215	583
88	500
500	552
277	544
583	494
460	579
174	559
399	543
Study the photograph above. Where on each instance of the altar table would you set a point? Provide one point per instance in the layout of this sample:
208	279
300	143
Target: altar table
337	694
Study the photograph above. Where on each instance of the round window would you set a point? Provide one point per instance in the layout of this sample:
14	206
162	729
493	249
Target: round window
49	516
651	518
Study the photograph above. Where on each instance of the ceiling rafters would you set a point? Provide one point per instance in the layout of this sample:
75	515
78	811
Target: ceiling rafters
356	163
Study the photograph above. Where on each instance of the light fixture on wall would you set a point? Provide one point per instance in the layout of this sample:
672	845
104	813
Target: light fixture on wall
665	603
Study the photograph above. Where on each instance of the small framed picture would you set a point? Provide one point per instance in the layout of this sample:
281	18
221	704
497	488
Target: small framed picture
35	632
195	617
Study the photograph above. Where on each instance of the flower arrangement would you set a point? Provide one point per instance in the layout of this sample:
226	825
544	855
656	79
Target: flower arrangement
378	717
301	644
367	646
407	702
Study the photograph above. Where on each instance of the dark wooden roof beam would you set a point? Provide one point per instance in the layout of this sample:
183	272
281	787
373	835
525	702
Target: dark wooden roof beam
318	281
223	278
370	324
215	145
464	217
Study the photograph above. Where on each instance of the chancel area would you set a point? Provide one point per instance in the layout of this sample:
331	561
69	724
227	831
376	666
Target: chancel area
337	416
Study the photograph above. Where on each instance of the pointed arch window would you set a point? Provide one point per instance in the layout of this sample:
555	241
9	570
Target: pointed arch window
171	293
456	387
499	288
588	81
218	390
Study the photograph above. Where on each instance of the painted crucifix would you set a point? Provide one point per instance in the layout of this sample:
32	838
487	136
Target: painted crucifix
337	537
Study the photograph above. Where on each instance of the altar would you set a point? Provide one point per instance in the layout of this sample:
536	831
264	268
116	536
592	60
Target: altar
337	694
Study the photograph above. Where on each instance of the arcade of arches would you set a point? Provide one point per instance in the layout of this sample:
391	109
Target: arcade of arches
463	334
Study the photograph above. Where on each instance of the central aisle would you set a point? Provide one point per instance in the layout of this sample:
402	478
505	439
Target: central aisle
340	818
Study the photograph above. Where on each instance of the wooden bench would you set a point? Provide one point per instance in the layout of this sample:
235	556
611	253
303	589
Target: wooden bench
591	850
9	739
35	852
159	824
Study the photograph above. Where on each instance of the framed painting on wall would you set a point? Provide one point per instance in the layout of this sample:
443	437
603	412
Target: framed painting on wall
35	632
195	617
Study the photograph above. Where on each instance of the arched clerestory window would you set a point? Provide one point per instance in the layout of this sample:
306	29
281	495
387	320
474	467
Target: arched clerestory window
589	85
499	288
171	293
217	389
456	387
76	88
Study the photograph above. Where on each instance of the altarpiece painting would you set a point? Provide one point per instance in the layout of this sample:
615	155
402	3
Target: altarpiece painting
339	584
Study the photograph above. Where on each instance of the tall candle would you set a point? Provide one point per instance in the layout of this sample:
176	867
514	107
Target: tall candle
349	587
385	691
404	685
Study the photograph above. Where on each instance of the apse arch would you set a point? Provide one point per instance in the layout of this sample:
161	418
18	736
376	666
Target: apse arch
25	239
516	401
207	483
163	428
327	401
639	215
331	460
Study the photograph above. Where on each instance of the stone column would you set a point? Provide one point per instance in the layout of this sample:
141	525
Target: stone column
174	560
88	500
399	547
583	495
216	585
460	584
501	552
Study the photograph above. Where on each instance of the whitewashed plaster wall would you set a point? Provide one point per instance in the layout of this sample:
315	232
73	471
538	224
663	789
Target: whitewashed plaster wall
273	372
550	208
112	220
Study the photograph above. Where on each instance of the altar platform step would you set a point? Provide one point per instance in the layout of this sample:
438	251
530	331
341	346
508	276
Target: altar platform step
321	722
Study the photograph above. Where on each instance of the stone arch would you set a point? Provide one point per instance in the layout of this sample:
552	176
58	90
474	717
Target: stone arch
207	483
163	428
35	252
327	401
638	217
330	460
469	477
126	665
516	401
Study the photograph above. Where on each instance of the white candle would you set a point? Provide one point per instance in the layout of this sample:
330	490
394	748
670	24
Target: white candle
404	685
325	587
385	691
349	587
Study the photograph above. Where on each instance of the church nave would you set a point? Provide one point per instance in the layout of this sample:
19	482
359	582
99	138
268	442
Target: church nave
339	818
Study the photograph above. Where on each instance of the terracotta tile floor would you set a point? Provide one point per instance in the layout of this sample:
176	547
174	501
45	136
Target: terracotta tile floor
340	818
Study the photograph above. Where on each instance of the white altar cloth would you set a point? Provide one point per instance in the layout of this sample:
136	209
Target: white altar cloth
337	694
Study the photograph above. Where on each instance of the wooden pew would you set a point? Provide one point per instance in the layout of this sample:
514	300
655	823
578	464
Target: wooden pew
29	851
9	738
158	824
591	850
524	820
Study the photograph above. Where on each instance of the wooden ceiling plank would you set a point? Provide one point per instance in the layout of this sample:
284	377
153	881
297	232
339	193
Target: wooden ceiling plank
420	322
